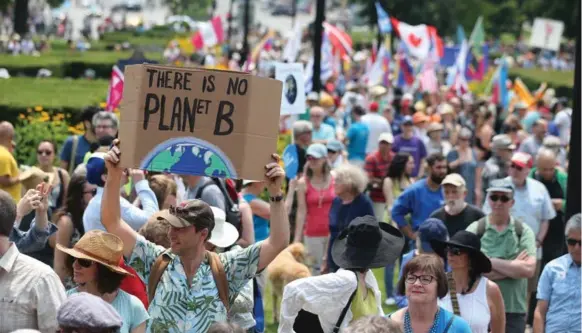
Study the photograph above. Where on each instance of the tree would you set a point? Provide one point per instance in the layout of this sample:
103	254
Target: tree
21	12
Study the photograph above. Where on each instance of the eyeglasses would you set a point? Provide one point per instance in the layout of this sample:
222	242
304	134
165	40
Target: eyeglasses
516	167
573	242
503	198
44	152
84	262
424	279
454	250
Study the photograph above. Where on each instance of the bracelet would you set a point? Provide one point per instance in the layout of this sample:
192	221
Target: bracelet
277	198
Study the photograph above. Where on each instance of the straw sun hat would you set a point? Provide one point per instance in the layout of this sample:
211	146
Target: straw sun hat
101	247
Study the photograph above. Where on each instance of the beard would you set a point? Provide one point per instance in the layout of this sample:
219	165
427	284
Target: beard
456	206
437	179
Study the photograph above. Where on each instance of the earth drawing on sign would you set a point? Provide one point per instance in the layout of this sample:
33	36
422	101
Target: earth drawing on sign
189	156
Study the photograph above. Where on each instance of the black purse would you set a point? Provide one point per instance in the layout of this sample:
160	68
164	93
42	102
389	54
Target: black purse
307	322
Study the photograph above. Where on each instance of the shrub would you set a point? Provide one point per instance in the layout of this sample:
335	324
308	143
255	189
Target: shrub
36	125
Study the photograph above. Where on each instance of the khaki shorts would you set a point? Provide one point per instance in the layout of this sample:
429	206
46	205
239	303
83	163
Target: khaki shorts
532	283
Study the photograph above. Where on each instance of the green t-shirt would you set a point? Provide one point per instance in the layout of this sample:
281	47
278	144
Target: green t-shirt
505	245
305	116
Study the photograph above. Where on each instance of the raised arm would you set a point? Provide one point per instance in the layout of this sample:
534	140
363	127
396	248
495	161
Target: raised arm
110	203
279	235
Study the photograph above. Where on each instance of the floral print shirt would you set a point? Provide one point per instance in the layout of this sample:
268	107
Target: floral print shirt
179	308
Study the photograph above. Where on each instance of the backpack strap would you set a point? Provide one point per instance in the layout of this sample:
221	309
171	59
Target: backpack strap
219	275
73	154
202	188
449	324
453	293
518	226
158	268
481	226
345	309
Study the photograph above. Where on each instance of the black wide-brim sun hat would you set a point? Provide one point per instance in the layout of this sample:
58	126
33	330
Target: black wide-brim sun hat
367	243
466	241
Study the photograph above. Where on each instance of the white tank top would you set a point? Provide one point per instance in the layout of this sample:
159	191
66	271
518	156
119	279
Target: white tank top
474	307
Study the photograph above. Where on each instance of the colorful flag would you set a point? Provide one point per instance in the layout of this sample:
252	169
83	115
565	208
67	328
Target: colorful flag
500	93
383	20
115	89
476	68
209	34
339	39
460	34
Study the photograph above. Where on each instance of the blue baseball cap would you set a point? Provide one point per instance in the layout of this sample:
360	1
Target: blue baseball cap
317	150
335	145
432	229
407	120
95	169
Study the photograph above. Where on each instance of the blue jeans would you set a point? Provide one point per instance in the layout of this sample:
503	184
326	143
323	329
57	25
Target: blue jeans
389	280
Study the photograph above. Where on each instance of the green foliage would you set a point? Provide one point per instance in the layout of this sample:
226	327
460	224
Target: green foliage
553	78
34	127
51	92
198	10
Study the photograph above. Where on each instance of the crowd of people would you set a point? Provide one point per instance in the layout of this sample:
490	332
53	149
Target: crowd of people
461	202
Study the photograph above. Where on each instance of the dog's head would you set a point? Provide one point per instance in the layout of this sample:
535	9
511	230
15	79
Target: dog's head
298	251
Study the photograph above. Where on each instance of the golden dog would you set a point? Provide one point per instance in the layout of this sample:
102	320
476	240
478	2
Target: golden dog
288	266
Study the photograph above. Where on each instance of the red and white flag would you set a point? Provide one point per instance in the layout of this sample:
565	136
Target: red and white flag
209	34
115	89
415	37
339	39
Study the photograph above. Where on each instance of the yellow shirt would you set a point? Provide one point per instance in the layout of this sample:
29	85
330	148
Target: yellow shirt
363	307
9	167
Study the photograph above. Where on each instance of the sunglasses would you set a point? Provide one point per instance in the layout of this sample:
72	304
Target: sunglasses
454	250
92	192
84	262
44	152
516	167
503	198
329	151
573	242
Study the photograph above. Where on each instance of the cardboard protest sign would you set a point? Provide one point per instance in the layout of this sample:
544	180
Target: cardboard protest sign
546	34
293	97
198	122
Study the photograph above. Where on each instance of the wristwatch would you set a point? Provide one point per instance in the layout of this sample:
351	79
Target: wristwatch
277	198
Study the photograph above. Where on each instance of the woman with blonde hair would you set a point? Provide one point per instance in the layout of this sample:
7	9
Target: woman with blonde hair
315	193
350	202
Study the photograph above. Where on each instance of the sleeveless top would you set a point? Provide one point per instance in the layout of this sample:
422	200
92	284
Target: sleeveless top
474	307
318	204
363	307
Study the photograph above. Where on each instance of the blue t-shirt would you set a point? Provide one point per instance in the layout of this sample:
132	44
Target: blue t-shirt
129	308
419	201
330	121
357	136
458	325
341	215
83	146
260	224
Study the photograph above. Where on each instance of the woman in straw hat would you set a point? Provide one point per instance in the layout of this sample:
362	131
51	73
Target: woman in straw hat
96	270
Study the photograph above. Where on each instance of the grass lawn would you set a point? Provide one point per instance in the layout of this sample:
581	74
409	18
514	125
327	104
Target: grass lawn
272	327
57	57
52	93
553	78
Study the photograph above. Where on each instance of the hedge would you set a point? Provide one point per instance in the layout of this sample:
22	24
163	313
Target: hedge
20	95
65	63
561	82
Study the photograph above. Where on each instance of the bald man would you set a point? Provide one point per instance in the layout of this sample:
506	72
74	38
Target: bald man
9	181
322	132
534	142
547	172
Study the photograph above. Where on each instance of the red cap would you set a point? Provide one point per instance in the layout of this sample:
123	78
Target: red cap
523	160
374	106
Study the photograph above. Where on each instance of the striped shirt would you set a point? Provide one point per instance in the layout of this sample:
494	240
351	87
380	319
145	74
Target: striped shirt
377	167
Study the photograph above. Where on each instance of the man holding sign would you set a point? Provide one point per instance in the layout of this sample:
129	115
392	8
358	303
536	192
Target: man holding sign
188	295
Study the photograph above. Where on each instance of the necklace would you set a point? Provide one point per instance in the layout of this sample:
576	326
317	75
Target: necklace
408	324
